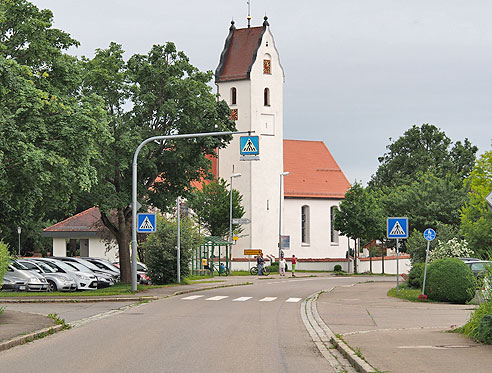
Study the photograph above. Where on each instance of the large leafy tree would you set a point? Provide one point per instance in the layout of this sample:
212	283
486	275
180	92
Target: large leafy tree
420	150
47	125
159	93
476	218
211	203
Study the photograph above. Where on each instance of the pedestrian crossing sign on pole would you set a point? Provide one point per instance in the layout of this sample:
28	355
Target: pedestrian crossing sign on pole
250	145
397	227
146	223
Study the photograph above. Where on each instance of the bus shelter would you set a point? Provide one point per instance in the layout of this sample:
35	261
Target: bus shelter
213	252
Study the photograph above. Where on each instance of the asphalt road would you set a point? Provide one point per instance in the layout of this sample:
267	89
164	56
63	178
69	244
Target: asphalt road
236	329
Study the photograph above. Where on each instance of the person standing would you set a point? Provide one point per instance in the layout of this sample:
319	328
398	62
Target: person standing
281	266
259	264
294	262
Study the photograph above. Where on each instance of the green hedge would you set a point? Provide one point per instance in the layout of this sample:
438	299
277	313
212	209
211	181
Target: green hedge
479	327
416	276
450	280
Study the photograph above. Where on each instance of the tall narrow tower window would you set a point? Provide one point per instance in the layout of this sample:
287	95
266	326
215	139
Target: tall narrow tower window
233	96
305	224
267	67
266	97
333	233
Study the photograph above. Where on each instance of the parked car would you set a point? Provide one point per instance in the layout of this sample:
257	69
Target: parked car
34	281
56	281
105	265
479	266
13	283
85	281
103	281
142	276
105	278
466	260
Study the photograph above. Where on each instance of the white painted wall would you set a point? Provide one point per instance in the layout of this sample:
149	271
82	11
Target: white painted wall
259	183
97	249
320	245
59	247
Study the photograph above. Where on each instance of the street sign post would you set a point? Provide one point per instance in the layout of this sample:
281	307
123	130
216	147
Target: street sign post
397	228
429	235
252	251
284	242
146	223
241	221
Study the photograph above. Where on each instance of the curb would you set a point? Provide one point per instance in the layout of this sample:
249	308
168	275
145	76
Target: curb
325	334
29	337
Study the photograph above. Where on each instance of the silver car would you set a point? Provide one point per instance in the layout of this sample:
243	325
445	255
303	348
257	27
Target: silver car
13	283
85	281
34	281
56	281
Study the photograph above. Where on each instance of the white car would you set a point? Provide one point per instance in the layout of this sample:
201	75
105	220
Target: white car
85	281
56	281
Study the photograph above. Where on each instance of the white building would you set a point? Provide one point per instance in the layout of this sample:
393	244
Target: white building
250	79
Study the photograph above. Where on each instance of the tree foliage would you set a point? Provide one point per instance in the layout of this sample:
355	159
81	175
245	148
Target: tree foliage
161	254
48	125
159	93
211	203
424	149
476	218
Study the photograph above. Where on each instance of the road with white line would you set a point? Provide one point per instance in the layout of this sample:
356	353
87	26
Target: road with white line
234	329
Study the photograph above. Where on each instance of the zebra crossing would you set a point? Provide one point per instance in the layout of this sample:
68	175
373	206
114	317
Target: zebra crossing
240	299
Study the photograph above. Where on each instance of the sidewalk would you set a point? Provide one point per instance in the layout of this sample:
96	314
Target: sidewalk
395	335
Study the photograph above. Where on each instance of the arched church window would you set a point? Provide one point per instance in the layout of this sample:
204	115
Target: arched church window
266	97
305	224
233	96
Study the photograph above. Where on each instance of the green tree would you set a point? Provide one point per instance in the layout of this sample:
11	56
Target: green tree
359	214
421	150
476	218
48	126
4	258
211	203
160	250
159	93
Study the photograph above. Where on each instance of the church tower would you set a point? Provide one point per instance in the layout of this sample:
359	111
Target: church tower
250	79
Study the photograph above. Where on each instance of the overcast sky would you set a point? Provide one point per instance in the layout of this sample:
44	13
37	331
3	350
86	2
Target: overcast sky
357	72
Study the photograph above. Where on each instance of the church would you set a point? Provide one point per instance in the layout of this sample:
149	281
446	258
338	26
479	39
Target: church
295	186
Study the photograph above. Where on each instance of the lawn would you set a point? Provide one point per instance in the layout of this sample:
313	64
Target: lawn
406	293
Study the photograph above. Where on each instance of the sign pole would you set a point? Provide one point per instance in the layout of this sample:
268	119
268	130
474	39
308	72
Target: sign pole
425	268
397	267
429	235
178	247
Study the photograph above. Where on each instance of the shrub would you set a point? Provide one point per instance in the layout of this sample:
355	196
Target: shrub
337	268
453	248
477	329
160	250
416	276
484	330
450	280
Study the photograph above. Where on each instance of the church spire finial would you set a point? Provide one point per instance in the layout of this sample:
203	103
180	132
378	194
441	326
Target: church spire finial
265	22
249	13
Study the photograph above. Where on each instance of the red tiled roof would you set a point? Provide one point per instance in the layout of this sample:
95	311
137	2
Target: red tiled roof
314	173
86	221
239	53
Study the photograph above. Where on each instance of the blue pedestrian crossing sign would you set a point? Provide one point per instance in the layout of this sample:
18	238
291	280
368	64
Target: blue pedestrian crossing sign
397	227
429	234
250	145
146	223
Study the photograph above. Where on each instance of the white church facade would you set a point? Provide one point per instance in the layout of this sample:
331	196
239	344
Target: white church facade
250	79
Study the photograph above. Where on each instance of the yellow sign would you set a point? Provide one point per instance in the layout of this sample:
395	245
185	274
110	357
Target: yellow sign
252	252
204	262
235	238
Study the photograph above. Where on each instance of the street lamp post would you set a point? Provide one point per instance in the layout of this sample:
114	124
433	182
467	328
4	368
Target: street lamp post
280	217
230	206
19	230
134	186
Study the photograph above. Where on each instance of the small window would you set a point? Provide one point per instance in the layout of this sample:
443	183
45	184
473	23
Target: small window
266	97
233	96
333	233
267	67
305	224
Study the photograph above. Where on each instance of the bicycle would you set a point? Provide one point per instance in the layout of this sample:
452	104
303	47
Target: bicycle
254	271
221	270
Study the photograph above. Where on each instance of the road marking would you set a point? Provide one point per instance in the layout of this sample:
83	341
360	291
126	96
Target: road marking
218	297
241	299
293	300
191	297
268	299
